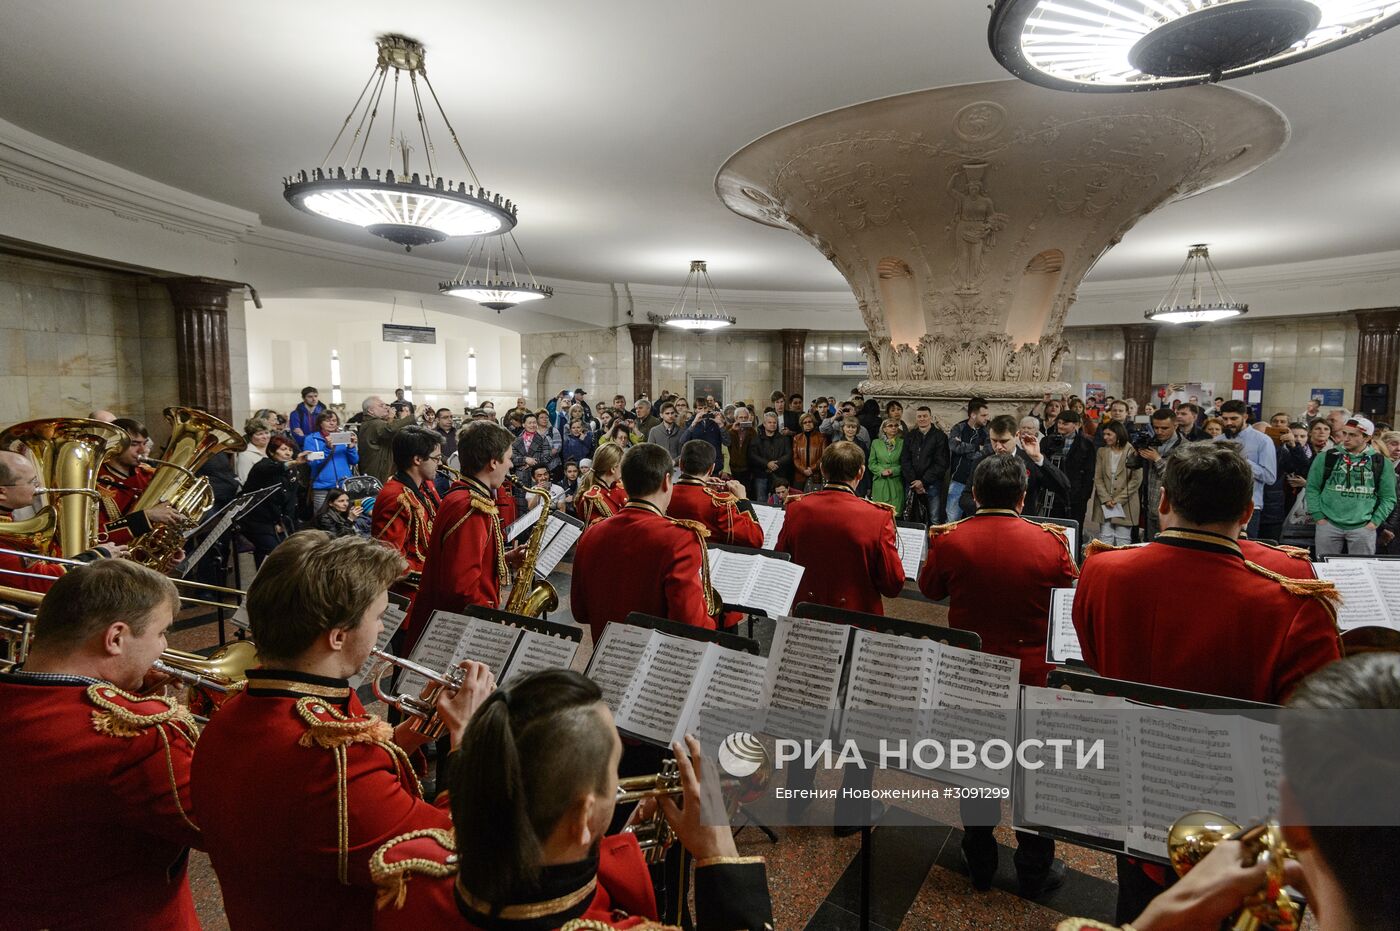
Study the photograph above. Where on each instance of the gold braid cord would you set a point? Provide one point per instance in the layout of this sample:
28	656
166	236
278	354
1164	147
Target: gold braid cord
336	734
1320	589
117	720
489	508
392	878
713	603
1094	547
1059	532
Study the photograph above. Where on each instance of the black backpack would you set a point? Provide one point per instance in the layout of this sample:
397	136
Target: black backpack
1334	456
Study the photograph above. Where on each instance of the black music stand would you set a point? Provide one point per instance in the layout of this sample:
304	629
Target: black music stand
962	639
749	613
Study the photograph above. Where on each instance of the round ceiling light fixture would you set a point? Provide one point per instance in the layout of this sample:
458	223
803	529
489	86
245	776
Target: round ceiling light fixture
408	208
1187	300
1133	45
683	316
490	278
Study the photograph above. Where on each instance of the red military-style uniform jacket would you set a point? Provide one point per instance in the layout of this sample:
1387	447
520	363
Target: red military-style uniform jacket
465	561
1267	629
599	502
641	560
403	518
997	569
1292	561
417	877
300	786
119	494
847	547
98	818
506	503
717	510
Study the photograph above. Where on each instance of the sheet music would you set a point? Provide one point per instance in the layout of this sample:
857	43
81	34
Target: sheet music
912	541
561	535
974	696
1362	604
222	521
393	619
803	676
490	643
1183	761
537	651
755	581
524	523
657	695
889	681
437	649
729	696
615	658
1063	642
1086	801
771	520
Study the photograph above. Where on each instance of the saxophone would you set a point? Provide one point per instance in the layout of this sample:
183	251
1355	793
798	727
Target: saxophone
539	598
195	438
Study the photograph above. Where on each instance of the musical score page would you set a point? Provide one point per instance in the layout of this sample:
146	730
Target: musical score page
615	658
439	649
755	581
1362	604
803	677
1063	641
729	695
393	619
771	520
1088	801
912	542
656	697
891	678
537	651
561	535
974	696
523	524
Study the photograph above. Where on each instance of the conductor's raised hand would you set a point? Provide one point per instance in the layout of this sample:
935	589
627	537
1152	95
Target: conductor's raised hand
700	821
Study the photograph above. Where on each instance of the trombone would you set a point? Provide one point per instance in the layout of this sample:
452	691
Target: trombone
77	563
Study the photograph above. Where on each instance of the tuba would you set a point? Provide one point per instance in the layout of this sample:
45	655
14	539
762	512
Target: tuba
195	438
1195	834
68	453
526	599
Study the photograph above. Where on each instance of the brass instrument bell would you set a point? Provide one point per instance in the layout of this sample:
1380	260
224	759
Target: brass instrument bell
422	707
1196	833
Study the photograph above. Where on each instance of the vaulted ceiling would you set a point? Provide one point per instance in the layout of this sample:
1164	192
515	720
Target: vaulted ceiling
606	121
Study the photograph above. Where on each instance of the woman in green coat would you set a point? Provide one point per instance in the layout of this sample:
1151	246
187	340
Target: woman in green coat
888	480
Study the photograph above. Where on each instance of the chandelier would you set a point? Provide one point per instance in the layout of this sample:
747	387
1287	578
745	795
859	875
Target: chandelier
1132	45
685	317
1184	303
408	208
489	276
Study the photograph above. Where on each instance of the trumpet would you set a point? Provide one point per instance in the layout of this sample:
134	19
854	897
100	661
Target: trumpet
15	638
654	834
422	707
1196	833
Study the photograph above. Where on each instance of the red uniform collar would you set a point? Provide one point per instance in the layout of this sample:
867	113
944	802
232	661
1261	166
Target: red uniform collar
644	506
995	512
1199	540
839	486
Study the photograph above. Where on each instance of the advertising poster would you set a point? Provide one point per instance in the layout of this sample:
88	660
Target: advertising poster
1174	394
1095	391
1248	386
1329	397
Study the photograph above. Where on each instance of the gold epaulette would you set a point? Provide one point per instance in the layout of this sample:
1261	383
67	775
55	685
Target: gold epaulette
593	491
881	504
796	496
935	529
326	727
121	714
1321	589
436	859
720	499
1058	529
1098	546
1292	552
1085	924
700	529
484	504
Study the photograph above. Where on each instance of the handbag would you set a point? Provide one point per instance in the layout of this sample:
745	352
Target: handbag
916	508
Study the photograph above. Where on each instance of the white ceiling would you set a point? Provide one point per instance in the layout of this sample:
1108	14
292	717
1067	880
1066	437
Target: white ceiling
606	121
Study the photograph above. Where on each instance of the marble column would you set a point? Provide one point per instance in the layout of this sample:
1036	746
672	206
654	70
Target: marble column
1139	339
642	335
1378	355
794	346
201	343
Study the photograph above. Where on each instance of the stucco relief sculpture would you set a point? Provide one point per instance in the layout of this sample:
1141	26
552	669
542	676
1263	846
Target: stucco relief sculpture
964	218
